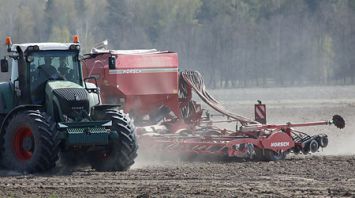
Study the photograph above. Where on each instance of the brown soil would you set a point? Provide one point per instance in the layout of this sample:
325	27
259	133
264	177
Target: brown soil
297	176
327	173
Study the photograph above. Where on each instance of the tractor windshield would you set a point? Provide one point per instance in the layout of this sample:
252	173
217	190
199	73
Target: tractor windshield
52	65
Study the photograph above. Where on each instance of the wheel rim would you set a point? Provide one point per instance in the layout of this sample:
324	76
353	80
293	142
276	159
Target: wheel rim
23	138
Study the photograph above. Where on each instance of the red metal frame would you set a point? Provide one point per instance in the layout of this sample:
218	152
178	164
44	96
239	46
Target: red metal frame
277	138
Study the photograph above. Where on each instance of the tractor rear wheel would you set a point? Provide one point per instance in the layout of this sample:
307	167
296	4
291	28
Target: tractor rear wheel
120	154
29	143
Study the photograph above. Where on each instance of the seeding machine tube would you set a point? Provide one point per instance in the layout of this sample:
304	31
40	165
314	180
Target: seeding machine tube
195	80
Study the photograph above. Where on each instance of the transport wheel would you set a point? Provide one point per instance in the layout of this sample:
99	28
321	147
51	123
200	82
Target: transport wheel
323	141
29	143
121	152
270	155
313	146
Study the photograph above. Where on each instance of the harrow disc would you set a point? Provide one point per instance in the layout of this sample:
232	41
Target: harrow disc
338	121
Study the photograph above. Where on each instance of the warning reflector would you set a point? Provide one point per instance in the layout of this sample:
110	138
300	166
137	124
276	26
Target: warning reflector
260	113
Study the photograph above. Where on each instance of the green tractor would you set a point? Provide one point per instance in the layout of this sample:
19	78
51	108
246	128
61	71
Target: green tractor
48	110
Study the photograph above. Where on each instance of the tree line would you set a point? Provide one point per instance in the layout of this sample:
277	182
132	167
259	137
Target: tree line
234	43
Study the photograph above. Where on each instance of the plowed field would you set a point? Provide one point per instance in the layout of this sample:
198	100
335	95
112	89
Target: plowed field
330	172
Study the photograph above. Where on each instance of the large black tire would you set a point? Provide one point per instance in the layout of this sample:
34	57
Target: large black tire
29	142
120	153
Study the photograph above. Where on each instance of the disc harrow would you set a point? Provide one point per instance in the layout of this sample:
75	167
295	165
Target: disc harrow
195	133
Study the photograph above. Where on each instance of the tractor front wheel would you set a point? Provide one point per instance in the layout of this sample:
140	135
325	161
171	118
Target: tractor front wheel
121	152
29	142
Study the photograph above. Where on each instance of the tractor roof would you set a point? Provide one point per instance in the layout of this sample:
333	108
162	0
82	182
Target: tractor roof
137	51
43	46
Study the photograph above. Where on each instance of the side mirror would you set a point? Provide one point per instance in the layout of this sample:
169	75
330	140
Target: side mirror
92	88
112	62
4	65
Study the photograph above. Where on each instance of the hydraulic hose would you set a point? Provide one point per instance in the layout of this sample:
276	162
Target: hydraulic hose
195	80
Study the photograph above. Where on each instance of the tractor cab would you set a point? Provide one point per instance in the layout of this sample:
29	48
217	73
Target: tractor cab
35	64
51	65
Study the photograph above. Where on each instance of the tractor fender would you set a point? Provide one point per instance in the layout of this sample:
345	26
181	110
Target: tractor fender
7	99
98	111
102	107
17	109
